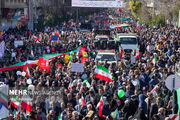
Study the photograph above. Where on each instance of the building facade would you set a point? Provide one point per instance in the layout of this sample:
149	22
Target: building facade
13	13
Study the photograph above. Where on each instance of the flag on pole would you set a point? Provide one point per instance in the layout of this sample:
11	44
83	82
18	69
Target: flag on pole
103	73
137	52
121	53
26	103
154	60
70	85
27	70
101	105
15	102
83	100
154	89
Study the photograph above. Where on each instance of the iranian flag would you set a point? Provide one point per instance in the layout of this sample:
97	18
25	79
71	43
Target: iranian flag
137	52
27	70
15	102
154	60
103	73
20	65
101	105
154	89
83	100
60	117
121	53
70	85
26	103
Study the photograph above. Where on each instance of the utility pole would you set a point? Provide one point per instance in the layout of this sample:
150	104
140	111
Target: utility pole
31	22
153	8
179	18
77	13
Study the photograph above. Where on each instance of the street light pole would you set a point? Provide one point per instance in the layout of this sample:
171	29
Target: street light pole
153	8
179	18
30	25
77	14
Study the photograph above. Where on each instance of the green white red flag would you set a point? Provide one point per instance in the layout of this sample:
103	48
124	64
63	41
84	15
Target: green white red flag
20	65
27	70
26	103
83	100
101	105
70	85
154	60
103	73
15	102
137	52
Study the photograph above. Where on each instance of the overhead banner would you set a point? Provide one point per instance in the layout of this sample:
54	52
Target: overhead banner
98	3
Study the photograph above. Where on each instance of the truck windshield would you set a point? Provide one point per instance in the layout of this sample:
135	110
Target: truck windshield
128	40
102	57
105	39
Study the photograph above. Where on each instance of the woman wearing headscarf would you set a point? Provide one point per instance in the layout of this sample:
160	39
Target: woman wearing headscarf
142	108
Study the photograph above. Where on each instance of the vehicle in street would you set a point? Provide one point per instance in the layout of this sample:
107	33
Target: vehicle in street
128	45
107	55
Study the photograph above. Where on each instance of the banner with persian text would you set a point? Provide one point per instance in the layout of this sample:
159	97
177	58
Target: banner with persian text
98	3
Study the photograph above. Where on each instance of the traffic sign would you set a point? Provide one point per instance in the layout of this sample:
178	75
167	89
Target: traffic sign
173	81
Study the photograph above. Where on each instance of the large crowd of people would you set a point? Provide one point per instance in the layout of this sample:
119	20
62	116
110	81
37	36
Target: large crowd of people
137	81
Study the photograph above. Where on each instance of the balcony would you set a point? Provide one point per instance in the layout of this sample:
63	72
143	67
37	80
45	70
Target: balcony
15	4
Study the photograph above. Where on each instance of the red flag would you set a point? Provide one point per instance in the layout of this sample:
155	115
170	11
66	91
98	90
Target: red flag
120	10
138	27
27	106
83	59
26	68
80	51
44	64
121	53
100	109
107	21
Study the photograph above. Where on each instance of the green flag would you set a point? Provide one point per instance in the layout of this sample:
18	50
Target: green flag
178	100
59	117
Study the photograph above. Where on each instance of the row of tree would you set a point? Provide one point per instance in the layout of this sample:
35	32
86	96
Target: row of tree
147	16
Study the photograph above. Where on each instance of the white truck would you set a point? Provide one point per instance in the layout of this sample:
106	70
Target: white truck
107	55
128	45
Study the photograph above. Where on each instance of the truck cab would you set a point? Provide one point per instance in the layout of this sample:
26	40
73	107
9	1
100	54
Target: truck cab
128	45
